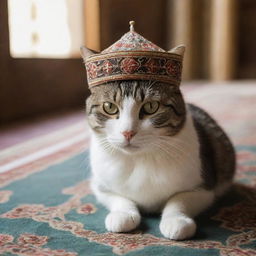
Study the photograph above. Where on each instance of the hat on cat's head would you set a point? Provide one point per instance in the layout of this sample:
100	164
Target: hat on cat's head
133	57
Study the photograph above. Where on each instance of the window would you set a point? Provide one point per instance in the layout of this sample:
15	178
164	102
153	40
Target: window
45	28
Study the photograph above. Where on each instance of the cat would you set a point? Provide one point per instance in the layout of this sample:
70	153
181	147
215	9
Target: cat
151	152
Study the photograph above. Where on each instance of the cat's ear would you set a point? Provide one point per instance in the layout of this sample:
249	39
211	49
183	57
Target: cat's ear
86	52
180	50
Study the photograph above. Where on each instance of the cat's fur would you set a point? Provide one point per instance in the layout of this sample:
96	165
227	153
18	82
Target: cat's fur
176	164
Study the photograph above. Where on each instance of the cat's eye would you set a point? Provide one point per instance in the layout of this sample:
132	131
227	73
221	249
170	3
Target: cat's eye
110	108
150	107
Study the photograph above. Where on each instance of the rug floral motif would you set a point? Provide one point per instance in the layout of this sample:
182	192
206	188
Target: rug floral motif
53	212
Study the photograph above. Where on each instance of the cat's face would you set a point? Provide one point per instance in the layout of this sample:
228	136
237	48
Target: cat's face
131	116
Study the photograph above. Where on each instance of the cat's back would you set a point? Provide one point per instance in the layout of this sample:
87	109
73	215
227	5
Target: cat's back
216	150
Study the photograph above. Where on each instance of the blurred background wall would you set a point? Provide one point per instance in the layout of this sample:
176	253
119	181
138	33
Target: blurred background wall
40	67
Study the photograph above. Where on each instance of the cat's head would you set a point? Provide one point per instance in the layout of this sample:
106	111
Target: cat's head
135	115
131	115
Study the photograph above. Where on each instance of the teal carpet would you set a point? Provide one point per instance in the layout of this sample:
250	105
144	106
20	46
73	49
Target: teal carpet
52	212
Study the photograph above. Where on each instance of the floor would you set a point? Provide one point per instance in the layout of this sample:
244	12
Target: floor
46	201
13	134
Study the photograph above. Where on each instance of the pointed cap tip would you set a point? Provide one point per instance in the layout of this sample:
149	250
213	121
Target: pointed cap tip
132	23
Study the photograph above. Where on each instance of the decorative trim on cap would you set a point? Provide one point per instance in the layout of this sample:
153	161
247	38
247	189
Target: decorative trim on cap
134	65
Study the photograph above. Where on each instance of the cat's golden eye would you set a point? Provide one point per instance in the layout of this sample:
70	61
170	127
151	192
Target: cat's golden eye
150	107
110	108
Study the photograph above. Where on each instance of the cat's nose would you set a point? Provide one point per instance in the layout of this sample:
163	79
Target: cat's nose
128	134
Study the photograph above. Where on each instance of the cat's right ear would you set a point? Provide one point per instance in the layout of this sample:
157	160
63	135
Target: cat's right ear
180	50
86	52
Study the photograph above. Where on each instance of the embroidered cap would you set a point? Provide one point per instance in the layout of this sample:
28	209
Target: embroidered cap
133	57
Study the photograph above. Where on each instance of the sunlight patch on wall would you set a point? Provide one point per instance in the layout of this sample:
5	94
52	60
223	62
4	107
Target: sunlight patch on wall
45	28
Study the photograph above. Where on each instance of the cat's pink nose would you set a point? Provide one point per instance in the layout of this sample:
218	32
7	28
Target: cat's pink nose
128	134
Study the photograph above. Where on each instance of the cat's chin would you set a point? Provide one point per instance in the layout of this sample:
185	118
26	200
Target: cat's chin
130	149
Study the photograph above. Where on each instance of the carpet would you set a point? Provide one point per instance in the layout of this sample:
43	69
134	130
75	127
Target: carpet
47	208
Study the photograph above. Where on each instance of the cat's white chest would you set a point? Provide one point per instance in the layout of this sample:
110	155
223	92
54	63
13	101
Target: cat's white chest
147	180
150	179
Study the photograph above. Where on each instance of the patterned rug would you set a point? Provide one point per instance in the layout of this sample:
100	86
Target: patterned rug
47	208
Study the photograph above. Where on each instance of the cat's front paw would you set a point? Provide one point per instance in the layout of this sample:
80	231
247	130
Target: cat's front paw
177	227
122	221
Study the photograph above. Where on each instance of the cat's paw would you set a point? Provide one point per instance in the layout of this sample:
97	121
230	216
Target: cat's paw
177	227
122	221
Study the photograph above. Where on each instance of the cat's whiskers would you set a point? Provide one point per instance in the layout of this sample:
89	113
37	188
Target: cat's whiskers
114	140
165	152
104	143
178	159
186	140
180	149
183	143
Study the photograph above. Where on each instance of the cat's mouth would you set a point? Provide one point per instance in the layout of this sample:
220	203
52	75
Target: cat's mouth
130	146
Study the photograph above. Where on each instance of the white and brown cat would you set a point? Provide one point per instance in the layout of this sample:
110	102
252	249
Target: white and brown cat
151	152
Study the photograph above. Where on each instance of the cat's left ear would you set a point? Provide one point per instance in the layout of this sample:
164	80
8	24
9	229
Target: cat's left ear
86	52
180	50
